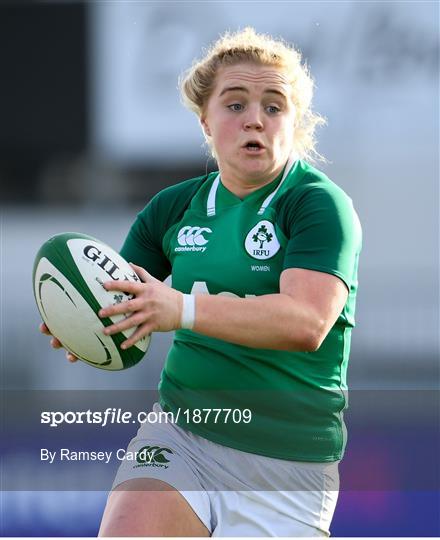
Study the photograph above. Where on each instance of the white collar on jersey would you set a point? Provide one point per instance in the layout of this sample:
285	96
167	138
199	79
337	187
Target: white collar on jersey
210	206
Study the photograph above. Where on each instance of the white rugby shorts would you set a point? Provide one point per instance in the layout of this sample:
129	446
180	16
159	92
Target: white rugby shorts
235	493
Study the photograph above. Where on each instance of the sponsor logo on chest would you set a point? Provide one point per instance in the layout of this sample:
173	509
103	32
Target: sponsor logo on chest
261	241
192	238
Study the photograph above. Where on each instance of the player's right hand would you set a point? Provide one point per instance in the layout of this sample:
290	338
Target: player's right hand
56	344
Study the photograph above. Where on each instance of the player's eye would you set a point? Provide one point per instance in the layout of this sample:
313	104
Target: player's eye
273	109
236	107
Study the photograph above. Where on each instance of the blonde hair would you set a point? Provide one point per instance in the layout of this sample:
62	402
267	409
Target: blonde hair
197	83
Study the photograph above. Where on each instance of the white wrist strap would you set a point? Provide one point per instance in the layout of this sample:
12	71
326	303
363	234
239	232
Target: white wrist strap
188	312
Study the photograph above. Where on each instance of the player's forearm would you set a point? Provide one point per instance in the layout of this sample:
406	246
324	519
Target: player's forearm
272	321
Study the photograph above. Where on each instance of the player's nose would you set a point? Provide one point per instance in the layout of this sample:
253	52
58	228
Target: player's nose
253	119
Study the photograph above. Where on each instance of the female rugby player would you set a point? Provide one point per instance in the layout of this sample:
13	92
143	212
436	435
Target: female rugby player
263	256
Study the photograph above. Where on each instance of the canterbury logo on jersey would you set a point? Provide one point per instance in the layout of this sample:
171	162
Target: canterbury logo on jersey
192	238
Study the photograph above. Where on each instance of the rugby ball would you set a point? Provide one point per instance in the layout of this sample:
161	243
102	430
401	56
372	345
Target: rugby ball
68	276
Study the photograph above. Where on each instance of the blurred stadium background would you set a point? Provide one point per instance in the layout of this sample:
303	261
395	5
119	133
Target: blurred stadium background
91	127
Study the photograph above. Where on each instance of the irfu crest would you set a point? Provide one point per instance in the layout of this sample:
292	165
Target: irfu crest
262	236
261	241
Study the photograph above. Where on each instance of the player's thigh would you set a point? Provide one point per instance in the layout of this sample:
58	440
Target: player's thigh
149	507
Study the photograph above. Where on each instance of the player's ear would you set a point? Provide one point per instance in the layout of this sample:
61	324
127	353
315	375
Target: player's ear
205	126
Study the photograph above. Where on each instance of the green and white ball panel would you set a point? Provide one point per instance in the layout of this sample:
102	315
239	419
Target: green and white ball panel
98	263
70	318
69	273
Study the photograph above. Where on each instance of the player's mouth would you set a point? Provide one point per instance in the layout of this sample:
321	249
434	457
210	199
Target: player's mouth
253	147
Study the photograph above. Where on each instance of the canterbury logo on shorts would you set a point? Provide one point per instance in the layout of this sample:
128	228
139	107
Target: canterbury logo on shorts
153	456
192	238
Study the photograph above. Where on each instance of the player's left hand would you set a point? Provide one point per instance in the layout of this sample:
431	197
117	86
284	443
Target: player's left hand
154	308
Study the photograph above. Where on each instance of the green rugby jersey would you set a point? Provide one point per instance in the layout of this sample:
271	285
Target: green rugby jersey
211	241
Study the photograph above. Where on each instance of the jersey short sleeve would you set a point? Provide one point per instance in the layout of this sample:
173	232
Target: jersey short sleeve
143	244
323	229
